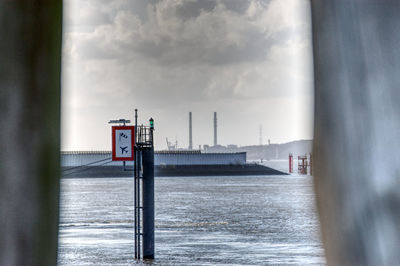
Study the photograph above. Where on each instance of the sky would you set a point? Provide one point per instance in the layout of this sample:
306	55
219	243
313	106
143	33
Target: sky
249	61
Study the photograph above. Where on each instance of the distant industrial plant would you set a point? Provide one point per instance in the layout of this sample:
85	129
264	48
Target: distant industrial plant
270	151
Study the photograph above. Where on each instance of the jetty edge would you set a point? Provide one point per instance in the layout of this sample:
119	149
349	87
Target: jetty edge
167	163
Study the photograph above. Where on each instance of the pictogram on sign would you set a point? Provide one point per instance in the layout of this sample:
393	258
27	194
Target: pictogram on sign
123	143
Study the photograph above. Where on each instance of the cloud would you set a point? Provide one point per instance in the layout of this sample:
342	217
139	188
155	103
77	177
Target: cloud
187	32
174	54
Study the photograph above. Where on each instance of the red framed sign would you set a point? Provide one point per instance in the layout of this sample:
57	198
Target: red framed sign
123	143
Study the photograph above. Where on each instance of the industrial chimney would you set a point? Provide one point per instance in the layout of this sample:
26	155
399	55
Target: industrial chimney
215	129
190	131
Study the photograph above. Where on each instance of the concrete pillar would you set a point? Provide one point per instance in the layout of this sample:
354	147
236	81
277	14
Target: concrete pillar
30	63
357	128
148	203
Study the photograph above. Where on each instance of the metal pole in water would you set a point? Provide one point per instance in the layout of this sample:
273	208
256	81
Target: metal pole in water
124	162
135	187
139	201
190	132
148	203
148	198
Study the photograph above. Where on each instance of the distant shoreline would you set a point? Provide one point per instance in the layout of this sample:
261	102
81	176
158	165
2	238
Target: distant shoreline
172	170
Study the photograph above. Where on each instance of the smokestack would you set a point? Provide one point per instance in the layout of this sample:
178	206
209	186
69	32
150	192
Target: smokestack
215	129
190	131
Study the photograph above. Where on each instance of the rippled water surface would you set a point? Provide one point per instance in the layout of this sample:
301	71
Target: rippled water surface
199	221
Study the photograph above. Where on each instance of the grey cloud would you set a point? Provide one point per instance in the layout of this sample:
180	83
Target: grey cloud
86	16
94	49
172	56
189	52
216	36
137	7
168	56
238	6
192	9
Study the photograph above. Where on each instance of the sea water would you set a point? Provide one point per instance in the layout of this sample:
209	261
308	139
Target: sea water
247	220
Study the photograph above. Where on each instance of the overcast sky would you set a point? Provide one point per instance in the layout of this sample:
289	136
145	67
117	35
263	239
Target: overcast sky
250	61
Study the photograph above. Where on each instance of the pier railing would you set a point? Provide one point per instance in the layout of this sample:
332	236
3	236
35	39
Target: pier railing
144	136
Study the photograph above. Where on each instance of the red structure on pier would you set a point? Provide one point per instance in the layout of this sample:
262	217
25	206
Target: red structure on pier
290	163
302	164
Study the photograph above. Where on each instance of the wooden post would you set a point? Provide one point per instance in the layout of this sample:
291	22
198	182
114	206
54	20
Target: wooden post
30	63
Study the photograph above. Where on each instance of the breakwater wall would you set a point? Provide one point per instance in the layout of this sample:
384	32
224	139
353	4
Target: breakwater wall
174	170
161	158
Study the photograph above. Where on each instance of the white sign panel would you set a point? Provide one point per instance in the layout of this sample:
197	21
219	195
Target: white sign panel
123	140
123	143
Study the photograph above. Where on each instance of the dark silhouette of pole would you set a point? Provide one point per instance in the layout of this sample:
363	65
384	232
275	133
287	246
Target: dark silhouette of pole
190	132
148	198
30	67
135	173
215	129
148	203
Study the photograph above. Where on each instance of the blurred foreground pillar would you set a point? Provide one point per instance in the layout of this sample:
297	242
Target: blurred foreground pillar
30	63
357	129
